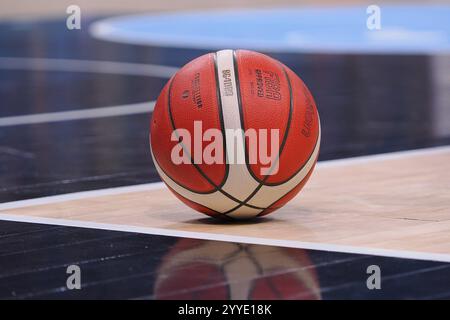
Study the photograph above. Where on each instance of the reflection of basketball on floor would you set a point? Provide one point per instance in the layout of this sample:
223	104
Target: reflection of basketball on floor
196	269
235	134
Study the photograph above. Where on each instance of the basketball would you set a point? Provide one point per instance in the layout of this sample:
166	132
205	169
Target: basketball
235	134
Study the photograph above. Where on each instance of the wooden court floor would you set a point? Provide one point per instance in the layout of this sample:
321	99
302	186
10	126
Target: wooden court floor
396	202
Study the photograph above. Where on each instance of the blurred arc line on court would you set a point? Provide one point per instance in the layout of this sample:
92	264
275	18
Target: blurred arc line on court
406	29
74	65
112	111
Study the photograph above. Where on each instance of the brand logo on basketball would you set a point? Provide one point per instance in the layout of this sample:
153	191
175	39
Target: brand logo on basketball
227	83
193	148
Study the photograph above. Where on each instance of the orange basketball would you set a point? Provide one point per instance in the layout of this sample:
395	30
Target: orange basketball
235	134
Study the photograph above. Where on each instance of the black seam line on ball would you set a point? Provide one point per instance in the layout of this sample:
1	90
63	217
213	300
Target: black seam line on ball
266	177
261	184
318	134
218	214
241	113
270	205
169	111
286	133
291	106
222	122
315	145
216	188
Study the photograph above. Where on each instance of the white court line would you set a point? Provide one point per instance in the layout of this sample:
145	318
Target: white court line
81	195
120	110
222	237
94	66
384	156
229	238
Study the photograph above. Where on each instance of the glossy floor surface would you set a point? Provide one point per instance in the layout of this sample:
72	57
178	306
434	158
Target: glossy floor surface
369	104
